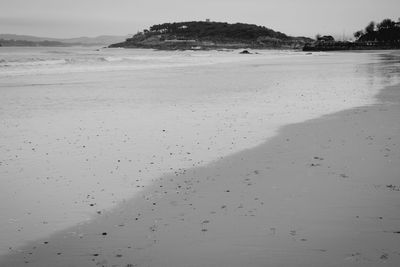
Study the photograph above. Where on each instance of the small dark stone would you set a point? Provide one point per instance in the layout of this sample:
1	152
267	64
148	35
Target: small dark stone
384	256
104	233
245	52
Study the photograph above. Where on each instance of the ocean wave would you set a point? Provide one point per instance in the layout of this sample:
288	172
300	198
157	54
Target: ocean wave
136	58
81	60
32	62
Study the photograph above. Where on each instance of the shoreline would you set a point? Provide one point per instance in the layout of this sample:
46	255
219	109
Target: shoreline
348	46
320	193
79	156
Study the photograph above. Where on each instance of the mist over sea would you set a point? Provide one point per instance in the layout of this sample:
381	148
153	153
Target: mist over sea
83	129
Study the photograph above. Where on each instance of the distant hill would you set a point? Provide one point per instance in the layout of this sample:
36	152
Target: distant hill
4	42
99	40
28	40
210	35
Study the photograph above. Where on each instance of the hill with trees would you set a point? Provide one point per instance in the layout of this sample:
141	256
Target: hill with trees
210	35
387	31
383	35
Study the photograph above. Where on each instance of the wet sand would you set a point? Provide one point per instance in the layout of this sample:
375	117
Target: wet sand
325	192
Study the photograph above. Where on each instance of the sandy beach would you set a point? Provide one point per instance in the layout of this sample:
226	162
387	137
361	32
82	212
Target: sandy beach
319	192
192	133
322	193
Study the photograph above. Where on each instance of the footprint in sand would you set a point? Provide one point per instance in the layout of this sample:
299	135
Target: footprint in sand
356	257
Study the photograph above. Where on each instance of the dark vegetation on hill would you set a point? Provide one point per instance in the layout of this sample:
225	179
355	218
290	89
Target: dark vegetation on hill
209	35
384	35
386	31
216	30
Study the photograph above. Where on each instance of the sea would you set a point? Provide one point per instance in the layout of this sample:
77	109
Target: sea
83	129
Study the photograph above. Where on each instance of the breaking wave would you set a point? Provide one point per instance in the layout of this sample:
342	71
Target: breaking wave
36	61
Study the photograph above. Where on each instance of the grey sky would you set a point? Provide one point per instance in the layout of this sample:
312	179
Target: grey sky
72	18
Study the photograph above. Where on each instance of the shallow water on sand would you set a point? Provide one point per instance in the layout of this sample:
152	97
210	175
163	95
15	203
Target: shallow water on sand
83	130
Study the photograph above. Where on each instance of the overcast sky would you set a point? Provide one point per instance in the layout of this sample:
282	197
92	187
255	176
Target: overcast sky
72	18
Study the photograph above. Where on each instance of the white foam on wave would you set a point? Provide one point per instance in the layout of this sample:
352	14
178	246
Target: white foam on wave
103	61
64	60
137	58
32	62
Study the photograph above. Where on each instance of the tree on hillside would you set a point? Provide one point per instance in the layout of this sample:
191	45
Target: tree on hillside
358	34
386	24
370	28
387	31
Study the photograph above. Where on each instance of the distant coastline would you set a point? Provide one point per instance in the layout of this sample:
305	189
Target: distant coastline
15	40
13	43
210	35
